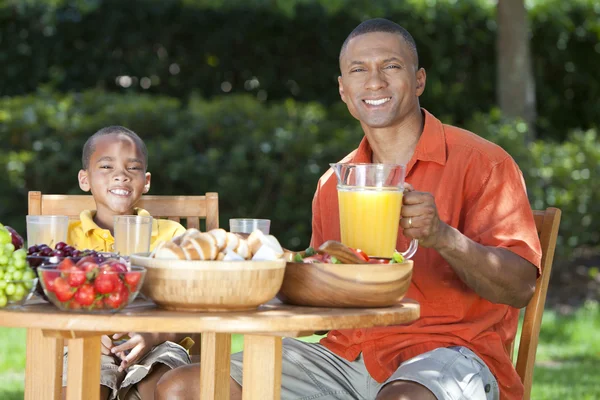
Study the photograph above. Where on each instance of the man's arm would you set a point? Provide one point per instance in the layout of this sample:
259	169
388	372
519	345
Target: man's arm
496	274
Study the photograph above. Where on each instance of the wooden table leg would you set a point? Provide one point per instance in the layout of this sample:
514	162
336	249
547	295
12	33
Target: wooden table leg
214	366
262	367
43	368
83	377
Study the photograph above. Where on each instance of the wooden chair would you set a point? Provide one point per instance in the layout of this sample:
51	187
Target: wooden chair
175	208
547	223
191	208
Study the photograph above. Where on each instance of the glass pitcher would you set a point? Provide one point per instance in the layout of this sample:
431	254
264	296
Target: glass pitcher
370	201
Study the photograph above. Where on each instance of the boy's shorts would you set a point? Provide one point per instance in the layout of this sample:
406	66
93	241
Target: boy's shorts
310	371
123	384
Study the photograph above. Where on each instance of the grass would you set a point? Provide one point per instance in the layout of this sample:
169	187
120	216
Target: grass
566	365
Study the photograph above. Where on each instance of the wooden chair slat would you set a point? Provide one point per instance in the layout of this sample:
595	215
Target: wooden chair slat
175	208
547	223
193	222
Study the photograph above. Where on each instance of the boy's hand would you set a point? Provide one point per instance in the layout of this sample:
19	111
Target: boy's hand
138	345
106	345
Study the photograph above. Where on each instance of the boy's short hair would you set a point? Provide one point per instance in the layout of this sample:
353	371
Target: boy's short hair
382	25
89	146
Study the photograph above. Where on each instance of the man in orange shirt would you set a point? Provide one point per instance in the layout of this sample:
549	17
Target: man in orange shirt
477	263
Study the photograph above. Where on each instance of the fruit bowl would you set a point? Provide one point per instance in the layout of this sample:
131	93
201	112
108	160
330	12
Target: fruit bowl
90	287
36	260
186	285
16	292
345	285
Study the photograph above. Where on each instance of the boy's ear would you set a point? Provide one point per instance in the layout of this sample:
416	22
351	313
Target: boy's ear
147	185
84	182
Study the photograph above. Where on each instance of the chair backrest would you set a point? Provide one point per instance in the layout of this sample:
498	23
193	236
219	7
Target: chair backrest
547	223
175	208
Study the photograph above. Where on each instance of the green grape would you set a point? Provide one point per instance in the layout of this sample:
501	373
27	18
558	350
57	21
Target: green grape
20	292
3	301
1	250
17	275
28	274
1	274
11	268
19	263
9	247
3	284
5	237
20	254
10	289
3	259
7	277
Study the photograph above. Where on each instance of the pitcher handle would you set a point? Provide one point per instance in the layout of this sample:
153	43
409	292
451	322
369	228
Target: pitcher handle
412	249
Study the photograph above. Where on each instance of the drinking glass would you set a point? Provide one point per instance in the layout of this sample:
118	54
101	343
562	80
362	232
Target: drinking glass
47	229
132	234
249	225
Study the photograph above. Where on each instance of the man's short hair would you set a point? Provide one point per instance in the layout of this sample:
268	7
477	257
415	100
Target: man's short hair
382	25
90	144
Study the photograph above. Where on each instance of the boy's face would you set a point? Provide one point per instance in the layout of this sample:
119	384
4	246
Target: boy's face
116	174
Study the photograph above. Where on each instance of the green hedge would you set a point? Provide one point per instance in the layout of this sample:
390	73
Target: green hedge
263	160
185	46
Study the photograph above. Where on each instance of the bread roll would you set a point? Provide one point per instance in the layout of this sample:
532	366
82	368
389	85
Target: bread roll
220	236
243	250
170	251
205	244
255	240
232	241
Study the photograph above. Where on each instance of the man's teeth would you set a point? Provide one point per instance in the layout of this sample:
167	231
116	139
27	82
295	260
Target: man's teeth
378	102
120	192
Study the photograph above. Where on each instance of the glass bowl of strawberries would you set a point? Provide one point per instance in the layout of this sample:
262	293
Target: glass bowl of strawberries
41	255
89	286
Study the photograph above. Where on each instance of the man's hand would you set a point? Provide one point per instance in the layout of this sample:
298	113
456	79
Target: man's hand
138	345
420	219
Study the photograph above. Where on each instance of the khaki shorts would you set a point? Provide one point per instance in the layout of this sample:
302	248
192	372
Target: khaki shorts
123	384
310	371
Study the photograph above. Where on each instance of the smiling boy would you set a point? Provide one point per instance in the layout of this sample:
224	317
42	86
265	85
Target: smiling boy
114	170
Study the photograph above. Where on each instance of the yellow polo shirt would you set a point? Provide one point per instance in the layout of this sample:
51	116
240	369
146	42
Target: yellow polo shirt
85	234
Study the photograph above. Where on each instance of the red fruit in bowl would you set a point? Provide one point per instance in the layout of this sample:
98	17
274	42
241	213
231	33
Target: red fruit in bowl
85	295
17	240
66	265
117	298
132	279
49	277
116	265
104	283
76	276
63	291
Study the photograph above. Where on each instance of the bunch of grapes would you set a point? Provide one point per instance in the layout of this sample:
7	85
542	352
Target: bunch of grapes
16	279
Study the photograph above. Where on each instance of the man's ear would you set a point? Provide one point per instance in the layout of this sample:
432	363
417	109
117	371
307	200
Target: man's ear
147	185
84	182
421	79
341	89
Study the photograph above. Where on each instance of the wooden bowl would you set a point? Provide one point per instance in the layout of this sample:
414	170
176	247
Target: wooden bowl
345	285
183	285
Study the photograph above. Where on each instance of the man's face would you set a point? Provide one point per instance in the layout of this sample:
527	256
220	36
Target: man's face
116	174
380	82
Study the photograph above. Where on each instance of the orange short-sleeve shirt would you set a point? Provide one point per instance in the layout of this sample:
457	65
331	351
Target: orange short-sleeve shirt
479	190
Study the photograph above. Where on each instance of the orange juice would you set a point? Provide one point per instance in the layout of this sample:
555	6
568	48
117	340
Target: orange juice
369	219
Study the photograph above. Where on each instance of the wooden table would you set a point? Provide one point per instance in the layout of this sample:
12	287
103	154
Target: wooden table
47	328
